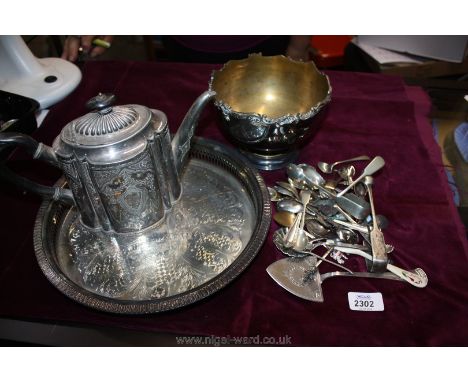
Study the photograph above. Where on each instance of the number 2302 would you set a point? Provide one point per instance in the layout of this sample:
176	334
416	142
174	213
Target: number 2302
363	304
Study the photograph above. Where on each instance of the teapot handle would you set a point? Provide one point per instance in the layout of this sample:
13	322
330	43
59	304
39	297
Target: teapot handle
39	151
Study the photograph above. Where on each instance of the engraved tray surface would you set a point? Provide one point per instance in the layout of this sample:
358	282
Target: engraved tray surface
206	240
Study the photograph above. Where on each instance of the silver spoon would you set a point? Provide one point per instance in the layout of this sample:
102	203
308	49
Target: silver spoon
347	236
289	205
382	221
279	238
319	217
301	185
329	250
328	168
278	241
300	242
287	186
354	205
290	237
331	184
274	195
351	171
284	218
295	185
284	191
385	275
311	175
347	216
316	228
296	174
375	165
322	258
360	189
296	238
347	173
305	198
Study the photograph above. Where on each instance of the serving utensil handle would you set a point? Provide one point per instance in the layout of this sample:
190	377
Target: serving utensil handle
375	165
355	159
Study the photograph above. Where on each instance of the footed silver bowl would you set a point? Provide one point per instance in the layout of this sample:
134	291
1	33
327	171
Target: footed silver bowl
267	105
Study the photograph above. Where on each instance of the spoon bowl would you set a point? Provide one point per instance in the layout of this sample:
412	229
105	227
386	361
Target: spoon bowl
283	191
295	173
289	187
347	236
311	175
316	228
289	205
284	218
346	172
301	240
274	195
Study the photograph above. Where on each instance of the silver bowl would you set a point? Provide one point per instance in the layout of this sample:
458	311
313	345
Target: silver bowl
267	105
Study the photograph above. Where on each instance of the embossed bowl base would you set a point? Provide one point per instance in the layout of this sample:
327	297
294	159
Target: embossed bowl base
206	240
270	162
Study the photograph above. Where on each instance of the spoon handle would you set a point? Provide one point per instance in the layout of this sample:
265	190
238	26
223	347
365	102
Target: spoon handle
324	256
417	278
375	165
305	198
379	251
362	157
354	251
324	190
385	275
354	226
371	201
290	238
345	214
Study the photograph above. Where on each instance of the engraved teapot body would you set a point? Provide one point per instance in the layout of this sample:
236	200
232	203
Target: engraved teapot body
120	164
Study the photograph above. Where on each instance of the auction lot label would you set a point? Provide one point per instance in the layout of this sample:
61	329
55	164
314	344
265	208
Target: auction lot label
369	302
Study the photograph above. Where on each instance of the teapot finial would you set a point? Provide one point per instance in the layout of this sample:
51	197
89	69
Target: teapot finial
104	121
101	103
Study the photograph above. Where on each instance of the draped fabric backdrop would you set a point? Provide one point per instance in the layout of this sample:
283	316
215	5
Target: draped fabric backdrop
369	114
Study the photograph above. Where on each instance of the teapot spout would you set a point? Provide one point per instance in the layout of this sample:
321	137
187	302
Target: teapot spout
181	141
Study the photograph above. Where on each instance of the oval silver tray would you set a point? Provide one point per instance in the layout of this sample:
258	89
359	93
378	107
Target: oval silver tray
205	241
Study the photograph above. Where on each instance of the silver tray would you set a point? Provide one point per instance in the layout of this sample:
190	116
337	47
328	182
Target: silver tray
205	241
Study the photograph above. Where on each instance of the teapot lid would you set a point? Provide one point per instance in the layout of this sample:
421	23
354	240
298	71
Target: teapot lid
107	124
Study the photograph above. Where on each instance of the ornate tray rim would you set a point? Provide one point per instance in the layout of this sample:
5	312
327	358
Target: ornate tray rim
260	198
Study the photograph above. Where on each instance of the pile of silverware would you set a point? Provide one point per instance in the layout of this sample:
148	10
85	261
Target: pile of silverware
328	220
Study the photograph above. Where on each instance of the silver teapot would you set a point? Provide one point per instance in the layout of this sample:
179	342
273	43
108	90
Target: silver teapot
119	162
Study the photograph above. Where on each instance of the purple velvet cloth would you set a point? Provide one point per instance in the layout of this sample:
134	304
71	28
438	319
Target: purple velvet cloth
369	114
